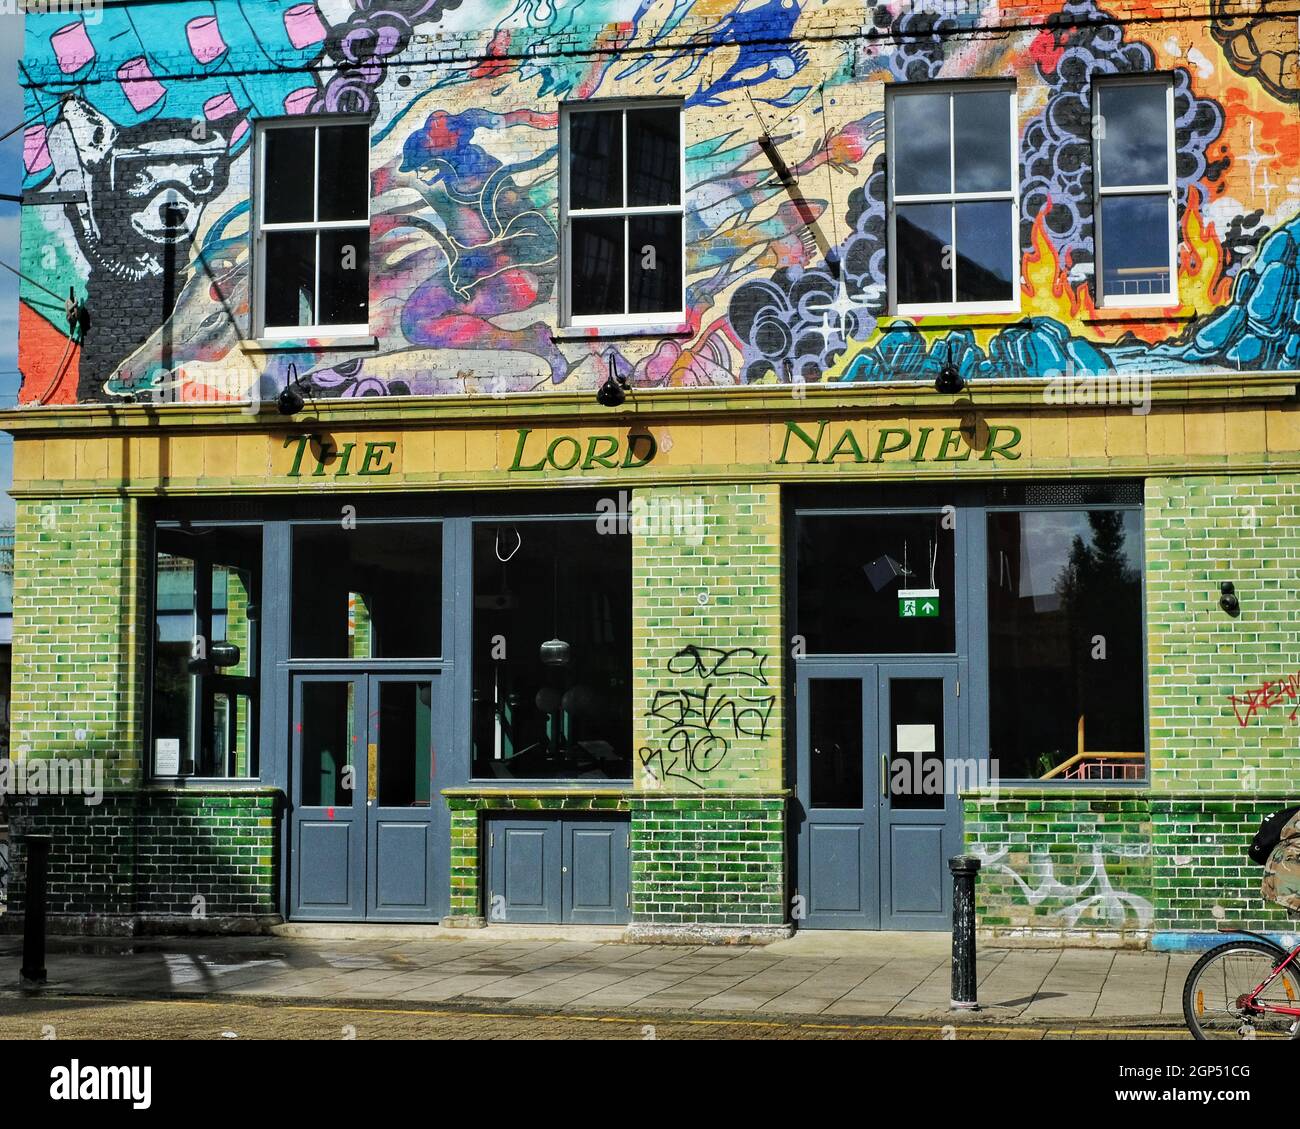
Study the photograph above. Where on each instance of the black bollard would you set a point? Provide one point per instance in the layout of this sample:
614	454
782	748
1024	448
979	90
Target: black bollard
35	880
964	869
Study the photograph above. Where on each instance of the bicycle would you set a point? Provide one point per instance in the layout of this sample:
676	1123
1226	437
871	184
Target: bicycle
1244	990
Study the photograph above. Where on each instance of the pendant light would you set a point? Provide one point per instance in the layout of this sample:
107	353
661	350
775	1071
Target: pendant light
555	651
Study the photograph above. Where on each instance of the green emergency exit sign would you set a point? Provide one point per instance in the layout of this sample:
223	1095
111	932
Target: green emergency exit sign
918	603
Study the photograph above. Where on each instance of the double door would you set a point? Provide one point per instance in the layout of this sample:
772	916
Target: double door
879	770
366	817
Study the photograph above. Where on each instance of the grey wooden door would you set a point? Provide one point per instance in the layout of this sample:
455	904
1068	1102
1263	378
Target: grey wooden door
405	714
365	831
558	870
920	809
838	879
877	814
328	818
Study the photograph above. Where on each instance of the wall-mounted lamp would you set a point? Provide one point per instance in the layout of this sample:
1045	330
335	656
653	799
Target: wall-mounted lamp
1228	598
614	391
950	380
290	401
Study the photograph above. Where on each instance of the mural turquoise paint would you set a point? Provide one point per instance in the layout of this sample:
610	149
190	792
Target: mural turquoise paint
139	168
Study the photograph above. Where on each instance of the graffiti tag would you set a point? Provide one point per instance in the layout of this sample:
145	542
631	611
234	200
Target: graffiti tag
698	720
1281	691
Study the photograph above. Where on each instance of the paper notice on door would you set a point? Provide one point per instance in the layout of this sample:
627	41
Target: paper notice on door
167	756
916	738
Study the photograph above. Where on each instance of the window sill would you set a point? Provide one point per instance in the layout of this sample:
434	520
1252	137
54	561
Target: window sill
620	332
308	344
1137	313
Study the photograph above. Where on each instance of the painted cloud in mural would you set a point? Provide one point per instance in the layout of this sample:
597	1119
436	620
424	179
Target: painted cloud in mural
139	166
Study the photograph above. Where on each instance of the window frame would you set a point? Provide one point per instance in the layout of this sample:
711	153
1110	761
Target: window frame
1140	508
1169	189
624	320
185	780
1011	196
261	228
495	783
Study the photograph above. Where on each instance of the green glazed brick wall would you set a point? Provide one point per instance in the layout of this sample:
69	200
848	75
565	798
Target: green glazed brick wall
1201	872
78	647
154	853
708	861
1201	531
708	657
92	853
218	848
467	814
1062	861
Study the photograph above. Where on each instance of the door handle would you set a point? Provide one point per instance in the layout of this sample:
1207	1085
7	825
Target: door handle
884	773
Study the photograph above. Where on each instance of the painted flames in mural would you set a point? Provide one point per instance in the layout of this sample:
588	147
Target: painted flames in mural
464	246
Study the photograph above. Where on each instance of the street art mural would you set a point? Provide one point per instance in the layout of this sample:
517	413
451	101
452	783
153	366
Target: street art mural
139	160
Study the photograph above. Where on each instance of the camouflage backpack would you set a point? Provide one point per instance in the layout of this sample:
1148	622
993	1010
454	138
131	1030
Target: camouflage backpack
1282	870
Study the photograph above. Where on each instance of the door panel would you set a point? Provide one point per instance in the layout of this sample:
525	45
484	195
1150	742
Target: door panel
920	813
401	871
916	870
836	750
837	877
328	822
325	865
524	865
404	712
595	872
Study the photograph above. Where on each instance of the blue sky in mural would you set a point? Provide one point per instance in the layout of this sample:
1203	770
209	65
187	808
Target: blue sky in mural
11	112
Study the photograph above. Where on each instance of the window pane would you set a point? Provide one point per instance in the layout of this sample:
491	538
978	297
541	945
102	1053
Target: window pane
370	592
915	743
655	266
921	144
329	739
207	641
345	276
835	733
289	172
174	632
596	160
290	278
923	246
405	747
1065	642
850	571
984	266
1134	245
654	157
982	139
597	269
1134	134
344	172
566	710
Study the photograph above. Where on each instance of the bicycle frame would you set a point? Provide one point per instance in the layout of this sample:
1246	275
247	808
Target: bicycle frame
1250	1001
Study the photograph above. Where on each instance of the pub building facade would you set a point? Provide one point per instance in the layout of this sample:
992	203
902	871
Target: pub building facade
658	466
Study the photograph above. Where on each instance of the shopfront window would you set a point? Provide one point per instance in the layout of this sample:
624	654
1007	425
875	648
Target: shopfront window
207	600
1066	692
372	591
552	651
876	584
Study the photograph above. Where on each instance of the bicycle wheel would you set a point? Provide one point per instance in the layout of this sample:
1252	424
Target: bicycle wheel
1223	977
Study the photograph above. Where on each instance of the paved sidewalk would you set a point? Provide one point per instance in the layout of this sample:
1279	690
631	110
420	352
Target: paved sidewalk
900	975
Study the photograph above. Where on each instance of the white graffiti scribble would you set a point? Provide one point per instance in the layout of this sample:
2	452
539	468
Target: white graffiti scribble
1095	898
